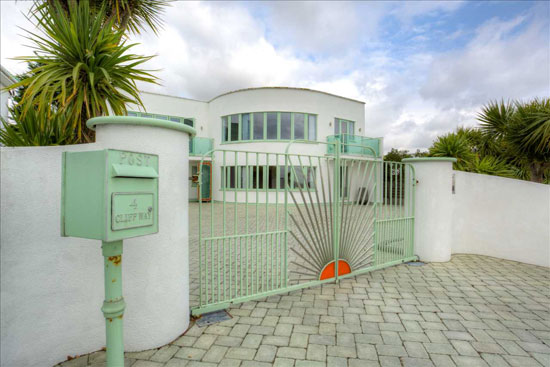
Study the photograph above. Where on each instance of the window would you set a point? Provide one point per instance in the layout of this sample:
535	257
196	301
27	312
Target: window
299	123
344	126
180	120
312	127
269	126
234	128
245	126
267	177
285	126
258	126
224	128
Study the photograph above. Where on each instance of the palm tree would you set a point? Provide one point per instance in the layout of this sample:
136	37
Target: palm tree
36	129
453	145
84	67
127	15
490	165
524	130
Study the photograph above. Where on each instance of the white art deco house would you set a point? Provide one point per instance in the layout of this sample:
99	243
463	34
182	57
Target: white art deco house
263	120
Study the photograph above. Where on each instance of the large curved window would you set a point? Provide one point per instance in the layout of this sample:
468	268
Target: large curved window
267	177
269	126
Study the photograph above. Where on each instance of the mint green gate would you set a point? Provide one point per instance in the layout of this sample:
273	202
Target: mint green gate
279	222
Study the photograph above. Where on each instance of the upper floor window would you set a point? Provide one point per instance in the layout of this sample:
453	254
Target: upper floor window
269	126
182	120
342	126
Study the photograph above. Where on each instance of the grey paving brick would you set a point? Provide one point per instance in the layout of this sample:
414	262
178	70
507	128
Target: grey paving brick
228	341
340	351
205	341
283	362
299	340
487	347
190	353
241	353
266	353
142	363
176	362
416	362
387	361
215	354
322	339
305	363
494	360
464	348
185	341
145	354
294	353
279	341
391	350
337	362
415	350
165	353
439	348
467	361
252	341
520	361
316	352
367	351
442	360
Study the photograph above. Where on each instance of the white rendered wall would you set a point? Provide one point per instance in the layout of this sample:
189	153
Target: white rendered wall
51	287
501	217
4	98
176	106
433	209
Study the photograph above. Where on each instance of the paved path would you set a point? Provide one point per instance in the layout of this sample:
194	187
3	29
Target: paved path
471	311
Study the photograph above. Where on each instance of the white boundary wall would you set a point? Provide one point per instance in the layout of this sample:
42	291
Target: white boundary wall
501	217
52	286
486	215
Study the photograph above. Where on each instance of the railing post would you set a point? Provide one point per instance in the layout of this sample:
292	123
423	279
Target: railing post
336	205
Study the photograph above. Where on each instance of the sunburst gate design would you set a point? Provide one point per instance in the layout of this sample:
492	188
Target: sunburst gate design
312	227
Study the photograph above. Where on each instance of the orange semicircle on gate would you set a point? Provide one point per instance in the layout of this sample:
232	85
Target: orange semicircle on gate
328	270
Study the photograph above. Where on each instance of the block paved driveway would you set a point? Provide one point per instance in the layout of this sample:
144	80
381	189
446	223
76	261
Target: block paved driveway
471	311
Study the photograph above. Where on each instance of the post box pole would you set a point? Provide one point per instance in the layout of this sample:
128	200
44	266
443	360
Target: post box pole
114	305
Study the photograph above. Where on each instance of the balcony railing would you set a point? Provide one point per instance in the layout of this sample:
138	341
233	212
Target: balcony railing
355	145
199	146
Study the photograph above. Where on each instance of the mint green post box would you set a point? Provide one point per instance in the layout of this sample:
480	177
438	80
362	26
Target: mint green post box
109	195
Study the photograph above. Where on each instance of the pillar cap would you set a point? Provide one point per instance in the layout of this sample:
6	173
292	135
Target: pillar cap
143	121
430	159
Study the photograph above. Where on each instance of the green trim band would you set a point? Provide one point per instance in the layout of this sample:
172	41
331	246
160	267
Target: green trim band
143	121
430	159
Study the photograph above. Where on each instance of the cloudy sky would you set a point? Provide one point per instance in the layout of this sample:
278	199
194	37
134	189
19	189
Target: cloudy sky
422	68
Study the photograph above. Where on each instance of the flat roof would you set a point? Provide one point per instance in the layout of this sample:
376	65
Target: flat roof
292	88
256	88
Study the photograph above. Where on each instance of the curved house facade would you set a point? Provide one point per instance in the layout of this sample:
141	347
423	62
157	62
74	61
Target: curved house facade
262	121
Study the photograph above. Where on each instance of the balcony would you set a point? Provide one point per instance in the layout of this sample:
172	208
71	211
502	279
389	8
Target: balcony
355	145
199	146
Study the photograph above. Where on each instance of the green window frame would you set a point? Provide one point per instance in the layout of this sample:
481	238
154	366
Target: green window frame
258	126
342	126
189	121
257	177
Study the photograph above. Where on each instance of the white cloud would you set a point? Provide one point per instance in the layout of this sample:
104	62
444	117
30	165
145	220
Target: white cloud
211	48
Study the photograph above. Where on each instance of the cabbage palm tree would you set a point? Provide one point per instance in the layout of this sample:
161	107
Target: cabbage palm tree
524	129
453	145
84	67
490	165
127	15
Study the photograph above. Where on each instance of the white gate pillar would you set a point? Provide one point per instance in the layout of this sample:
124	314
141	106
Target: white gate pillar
433	207
156	267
